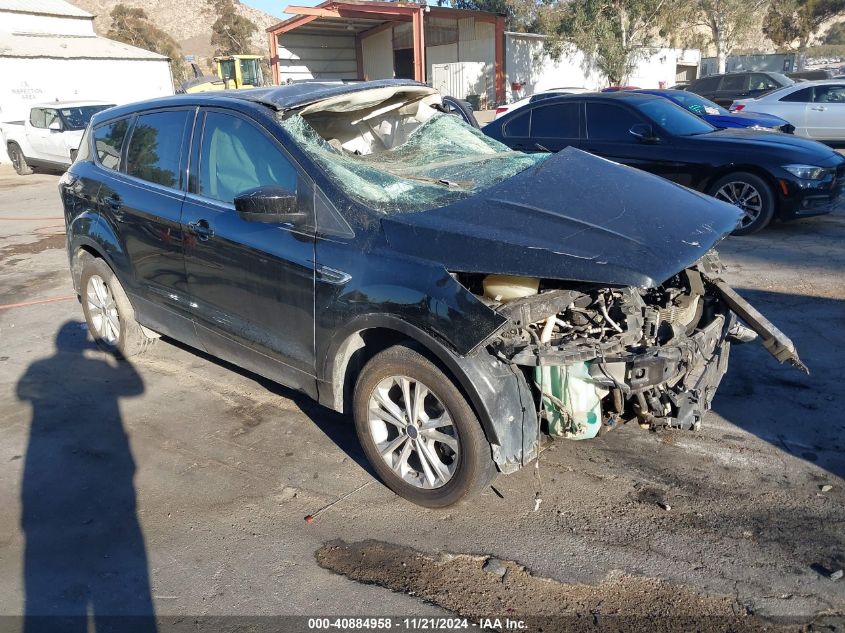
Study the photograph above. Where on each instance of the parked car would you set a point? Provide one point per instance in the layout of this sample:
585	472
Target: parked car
812	75
815	108
766	174
719	117
50	135
725	89
538	96
411	271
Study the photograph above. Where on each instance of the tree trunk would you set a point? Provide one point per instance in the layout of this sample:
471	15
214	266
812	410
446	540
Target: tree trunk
722	60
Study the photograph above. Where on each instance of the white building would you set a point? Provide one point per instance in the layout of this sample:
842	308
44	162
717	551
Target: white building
49	52
526	64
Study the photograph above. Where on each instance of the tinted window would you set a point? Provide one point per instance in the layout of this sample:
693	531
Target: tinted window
108	139
236	156
673	118
155	148
609	122
708	84
805	95
561	120
518	126
829	94
734	82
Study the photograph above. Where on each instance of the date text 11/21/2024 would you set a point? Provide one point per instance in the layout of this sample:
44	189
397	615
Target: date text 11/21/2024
416	624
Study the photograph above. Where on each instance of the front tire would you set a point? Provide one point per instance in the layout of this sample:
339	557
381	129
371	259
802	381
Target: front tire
19	160
752	195
418	431
108	313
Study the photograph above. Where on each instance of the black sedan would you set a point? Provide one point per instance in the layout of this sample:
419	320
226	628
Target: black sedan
361	245
766	174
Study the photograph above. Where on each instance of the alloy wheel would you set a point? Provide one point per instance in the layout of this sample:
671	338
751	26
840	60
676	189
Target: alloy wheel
102	309
413	432
745	197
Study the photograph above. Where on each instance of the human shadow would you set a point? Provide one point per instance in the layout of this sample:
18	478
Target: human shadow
85	559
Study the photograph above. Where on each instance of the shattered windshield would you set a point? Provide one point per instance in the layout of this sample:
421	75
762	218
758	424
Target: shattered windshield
441	161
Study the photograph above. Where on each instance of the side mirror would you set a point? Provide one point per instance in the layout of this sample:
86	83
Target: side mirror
270	204
55	126
643	132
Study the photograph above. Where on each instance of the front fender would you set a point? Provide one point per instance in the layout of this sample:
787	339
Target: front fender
498	392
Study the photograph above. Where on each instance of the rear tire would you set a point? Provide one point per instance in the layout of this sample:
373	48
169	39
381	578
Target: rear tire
108	313
433	452
751	194
19	160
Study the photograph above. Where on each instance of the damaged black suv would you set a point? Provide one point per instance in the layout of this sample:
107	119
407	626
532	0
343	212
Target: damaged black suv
363	246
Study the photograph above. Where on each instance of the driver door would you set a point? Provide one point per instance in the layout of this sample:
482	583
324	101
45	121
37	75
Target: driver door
251	284
826	113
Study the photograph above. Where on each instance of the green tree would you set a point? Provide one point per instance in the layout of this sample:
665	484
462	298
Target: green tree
792	24
231	32
728	23
614	34
132	26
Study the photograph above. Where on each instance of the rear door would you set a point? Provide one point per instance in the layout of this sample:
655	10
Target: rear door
37	134
251	283
706	87
732	87
142	201
826	113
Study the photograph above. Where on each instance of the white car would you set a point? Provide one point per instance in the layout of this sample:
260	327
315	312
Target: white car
50	136
551	92
815	108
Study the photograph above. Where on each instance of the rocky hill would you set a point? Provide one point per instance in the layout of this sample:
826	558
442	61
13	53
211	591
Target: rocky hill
187	21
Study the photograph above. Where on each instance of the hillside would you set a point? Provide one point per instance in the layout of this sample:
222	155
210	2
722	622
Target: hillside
188	21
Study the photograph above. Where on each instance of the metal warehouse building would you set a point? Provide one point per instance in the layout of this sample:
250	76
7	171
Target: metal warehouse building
49	52
459	52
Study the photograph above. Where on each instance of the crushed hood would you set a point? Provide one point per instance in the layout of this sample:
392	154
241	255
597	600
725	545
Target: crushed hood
573	217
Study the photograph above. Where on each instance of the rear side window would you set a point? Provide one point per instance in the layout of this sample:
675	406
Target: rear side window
708	84
805	95
155	149
37	118
560	120
829	94
108	139
759	81
518	126
734	82
236	156
609	122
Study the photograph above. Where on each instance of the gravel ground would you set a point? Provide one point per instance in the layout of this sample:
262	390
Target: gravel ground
190	478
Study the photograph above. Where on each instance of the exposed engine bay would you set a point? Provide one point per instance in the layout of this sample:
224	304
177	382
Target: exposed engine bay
600	356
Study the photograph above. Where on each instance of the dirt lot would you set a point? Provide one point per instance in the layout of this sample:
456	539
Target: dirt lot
177	484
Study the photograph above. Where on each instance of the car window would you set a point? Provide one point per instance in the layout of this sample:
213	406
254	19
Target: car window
610	122
236	156
706	84
829	94
805	95
673	118
560	120
155	148
108	140
695	103
36	118
734	82
759	81
518	126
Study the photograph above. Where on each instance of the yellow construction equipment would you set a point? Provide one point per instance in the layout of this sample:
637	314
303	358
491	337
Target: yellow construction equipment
233	72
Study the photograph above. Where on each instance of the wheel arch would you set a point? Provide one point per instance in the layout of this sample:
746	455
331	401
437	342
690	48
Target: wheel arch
751	169
88	233
359	342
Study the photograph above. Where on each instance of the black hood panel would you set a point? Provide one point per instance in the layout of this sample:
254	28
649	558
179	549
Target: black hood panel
574	217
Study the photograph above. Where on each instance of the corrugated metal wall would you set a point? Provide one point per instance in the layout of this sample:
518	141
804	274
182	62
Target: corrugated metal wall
309	56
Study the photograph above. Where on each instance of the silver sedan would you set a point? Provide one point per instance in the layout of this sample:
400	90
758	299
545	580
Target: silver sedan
815	108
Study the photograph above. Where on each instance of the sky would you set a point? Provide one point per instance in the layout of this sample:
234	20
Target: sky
277	7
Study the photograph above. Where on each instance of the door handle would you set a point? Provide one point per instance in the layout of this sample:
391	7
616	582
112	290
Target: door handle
819	108
201	229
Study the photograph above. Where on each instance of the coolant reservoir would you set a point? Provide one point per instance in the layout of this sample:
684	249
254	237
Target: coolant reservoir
506	288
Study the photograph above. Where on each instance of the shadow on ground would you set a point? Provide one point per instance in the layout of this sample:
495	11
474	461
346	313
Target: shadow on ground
85	557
